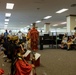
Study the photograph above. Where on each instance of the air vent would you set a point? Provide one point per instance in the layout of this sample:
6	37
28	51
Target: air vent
73	5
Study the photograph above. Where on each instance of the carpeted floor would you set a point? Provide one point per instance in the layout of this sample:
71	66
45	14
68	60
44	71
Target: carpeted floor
53	62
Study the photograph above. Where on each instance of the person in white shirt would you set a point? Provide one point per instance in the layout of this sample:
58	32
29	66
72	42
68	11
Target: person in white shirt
19	34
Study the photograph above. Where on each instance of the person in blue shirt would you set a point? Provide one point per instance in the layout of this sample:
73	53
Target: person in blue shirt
6	35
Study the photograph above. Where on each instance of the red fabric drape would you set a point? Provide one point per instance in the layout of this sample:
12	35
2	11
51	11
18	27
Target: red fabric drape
1	71
22	68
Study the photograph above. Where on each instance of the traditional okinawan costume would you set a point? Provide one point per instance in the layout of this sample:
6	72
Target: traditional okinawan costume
22	67
34	36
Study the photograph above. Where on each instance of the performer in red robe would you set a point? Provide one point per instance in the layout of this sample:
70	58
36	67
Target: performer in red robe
34	37
21	66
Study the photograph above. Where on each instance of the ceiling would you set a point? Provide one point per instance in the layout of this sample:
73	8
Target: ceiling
26	12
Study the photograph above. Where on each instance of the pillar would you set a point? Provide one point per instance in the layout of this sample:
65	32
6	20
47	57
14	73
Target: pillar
47	27
71	23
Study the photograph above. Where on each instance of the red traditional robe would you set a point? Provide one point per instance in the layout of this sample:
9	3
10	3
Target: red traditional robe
1	71
34	36
22	68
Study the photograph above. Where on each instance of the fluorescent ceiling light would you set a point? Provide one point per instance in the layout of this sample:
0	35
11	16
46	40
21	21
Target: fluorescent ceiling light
6	23
47	17
6	19
63	22
7	14
38	21
62	10
9	5
55	25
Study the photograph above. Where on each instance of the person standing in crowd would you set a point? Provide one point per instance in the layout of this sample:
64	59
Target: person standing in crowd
10	32
23	38
28	39
19	34
6	35
34	37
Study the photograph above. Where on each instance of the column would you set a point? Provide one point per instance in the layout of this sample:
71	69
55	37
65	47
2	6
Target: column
71	23
47	27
